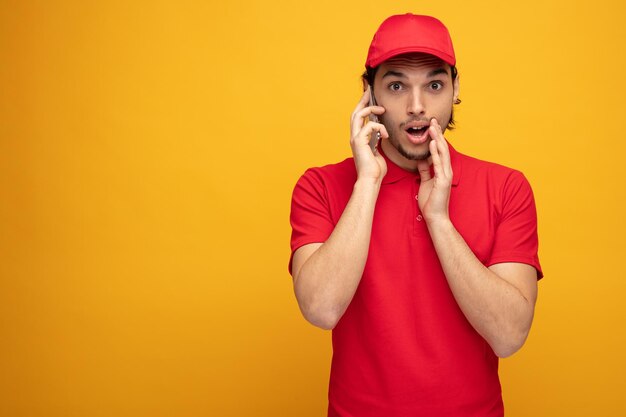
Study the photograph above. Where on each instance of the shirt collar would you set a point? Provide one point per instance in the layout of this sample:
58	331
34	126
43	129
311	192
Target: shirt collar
396	173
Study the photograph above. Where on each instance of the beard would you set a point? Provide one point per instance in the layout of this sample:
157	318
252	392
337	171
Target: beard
394	133
411	156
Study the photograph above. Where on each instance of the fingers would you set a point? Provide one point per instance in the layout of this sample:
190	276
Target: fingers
370	128
357	119
439	151
363	110
434	154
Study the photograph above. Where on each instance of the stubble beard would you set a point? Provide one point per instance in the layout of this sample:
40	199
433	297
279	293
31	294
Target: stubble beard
411	156
408	155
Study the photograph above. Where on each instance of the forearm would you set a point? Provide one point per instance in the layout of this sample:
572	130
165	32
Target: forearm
494	307
327	281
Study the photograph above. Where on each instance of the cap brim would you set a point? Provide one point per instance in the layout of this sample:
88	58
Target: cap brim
401	51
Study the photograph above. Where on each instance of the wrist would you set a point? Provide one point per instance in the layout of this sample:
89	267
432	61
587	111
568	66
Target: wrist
440	223
367	184
369	174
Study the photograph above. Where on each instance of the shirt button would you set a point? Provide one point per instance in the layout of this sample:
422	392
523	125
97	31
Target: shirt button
419	218
416	196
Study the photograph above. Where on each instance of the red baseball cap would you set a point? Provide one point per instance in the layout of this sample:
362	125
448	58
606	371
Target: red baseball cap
405	33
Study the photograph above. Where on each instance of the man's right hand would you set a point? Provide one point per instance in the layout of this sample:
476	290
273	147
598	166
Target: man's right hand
369	165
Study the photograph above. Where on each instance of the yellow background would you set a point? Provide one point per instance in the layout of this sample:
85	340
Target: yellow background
148	151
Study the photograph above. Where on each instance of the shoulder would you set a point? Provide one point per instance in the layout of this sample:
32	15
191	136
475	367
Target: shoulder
506	190
493	175
330	176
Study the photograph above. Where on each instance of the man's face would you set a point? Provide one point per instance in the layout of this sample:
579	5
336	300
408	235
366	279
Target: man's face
413	89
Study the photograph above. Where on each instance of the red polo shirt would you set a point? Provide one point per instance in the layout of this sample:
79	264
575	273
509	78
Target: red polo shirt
403	347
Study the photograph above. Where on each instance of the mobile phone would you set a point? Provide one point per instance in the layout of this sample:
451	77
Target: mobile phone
375	136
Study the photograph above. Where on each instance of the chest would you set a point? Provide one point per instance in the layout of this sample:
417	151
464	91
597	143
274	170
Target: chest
399	223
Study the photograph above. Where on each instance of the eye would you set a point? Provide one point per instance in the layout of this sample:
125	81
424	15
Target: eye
436	85
395	86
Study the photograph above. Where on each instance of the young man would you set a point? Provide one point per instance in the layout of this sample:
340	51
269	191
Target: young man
422	260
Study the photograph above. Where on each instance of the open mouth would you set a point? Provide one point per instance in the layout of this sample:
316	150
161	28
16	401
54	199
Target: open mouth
417	131
417	134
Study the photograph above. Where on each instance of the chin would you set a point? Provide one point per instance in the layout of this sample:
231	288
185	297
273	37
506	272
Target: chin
416	156
419	153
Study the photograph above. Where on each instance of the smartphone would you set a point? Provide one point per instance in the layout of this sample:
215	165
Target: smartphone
375	136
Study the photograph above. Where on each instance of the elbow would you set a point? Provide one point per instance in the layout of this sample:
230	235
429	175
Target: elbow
318	311
512	335
510	344
506	351
318	307
325	323
324	318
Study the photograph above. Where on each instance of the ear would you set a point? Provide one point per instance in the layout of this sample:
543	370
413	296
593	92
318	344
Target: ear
455	87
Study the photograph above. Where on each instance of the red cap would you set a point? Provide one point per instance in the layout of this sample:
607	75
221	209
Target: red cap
405	33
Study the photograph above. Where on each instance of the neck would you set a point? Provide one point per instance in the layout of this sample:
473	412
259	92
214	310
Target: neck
392	153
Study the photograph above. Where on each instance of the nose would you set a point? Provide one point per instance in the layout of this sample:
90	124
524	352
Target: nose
415	104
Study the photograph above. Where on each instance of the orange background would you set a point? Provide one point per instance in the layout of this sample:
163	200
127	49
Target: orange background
147	155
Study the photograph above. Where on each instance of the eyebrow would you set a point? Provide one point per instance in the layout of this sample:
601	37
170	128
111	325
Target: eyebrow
437	72
391	73
432	73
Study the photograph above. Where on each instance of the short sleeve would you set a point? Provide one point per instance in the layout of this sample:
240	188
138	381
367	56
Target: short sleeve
516	237
311	220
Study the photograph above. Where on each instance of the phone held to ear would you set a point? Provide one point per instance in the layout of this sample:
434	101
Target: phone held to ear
375	136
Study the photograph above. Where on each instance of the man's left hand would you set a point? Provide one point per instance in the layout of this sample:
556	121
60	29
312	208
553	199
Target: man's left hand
434	192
